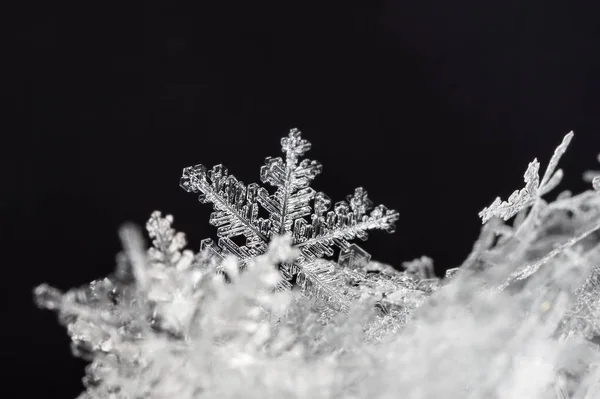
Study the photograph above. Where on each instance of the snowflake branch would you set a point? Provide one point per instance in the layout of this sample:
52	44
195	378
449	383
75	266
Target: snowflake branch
321	280
534	188
349	232
227	218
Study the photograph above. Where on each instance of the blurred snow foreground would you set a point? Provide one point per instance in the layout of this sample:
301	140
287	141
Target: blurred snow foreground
273	318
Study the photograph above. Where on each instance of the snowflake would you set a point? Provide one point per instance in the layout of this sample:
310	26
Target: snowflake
294	209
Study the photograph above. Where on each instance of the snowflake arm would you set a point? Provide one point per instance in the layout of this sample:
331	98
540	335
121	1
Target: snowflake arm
293	195
320	279
518	200
236	210
534	188
552	179
342	225
347	221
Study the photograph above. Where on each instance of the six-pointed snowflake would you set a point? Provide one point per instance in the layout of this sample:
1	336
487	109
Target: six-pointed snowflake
294	209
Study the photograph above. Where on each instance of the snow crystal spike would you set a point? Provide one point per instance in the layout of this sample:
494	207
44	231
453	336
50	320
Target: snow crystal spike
294	209
534	186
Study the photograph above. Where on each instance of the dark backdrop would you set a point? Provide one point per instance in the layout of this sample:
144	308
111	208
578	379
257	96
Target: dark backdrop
435	107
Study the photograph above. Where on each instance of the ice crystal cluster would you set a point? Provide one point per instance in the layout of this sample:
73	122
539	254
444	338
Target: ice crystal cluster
264	312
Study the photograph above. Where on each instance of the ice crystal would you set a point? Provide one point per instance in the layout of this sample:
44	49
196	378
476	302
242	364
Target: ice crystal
294	209
529	234
519	318
534	188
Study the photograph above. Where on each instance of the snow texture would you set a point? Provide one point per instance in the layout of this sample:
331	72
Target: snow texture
518	319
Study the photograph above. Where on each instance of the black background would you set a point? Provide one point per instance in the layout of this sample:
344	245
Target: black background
435	107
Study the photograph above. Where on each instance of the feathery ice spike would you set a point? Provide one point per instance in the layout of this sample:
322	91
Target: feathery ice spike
534	188
294	209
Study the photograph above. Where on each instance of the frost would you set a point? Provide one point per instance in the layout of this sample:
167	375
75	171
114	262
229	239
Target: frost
237	215
519	318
